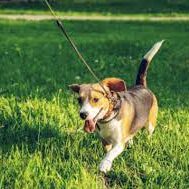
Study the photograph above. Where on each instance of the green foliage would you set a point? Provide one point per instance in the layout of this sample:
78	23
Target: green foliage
42	144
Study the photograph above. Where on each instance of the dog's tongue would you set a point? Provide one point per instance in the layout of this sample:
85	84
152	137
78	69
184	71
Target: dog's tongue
89	126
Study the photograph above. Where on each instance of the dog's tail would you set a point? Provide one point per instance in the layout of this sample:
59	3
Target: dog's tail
142	71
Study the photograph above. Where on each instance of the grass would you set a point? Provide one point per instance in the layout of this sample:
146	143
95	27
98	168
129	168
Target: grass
42	144
111	7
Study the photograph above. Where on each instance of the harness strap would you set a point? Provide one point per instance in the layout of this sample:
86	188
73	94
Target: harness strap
116	107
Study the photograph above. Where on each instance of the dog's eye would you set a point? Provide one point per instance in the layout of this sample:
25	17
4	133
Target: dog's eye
95	100
79	100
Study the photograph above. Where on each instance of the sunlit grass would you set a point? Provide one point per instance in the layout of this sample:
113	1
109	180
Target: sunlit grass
42	144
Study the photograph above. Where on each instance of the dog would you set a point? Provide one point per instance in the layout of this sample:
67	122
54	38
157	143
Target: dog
118	113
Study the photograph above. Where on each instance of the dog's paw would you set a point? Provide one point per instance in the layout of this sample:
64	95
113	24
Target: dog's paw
105	166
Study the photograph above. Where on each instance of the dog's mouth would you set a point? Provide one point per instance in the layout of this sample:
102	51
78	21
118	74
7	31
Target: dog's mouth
90	125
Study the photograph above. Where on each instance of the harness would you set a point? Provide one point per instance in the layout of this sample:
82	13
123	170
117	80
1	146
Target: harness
115	103
115	108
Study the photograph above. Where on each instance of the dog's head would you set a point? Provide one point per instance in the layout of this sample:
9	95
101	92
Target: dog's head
93	100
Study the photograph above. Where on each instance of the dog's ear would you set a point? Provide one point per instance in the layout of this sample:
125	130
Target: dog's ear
115	84
75	88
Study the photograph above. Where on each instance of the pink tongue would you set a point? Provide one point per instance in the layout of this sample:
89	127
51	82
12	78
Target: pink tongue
89	126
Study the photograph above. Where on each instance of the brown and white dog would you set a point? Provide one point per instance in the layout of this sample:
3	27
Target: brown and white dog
118	116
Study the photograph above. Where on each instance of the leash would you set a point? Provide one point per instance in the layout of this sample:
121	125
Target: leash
62	28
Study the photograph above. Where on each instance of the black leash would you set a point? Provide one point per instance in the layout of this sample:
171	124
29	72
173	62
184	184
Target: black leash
62	28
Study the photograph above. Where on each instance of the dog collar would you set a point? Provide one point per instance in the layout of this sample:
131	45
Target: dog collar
116	108
109	120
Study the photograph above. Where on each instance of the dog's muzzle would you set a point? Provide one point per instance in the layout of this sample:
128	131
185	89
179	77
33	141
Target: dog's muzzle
90	124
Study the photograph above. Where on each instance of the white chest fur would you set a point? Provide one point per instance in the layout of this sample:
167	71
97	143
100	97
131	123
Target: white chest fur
111	131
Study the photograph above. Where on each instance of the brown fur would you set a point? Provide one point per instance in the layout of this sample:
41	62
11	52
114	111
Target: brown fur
114	84
153	114
127	116
137	106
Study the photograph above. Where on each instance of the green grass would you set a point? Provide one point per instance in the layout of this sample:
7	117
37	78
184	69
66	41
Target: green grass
110	7
42	144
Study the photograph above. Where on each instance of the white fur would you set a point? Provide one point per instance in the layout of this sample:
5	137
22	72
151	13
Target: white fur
111	131
151	53
106	163
150	129
92	111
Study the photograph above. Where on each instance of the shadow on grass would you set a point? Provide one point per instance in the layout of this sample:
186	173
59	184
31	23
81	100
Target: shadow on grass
15	133
117	179
10	135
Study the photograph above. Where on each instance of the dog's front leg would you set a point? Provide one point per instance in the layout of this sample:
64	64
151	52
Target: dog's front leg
106	163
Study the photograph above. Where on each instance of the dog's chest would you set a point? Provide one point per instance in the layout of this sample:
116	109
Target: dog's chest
111	132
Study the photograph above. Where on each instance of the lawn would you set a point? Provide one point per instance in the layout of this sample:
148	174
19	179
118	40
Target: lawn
42	144
100	7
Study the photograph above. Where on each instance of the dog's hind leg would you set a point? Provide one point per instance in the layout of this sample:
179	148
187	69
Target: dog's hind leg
150	128
152	117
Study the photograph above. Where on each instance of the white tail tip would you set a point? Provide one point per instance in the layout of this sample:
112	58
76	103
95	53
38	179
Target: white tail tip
151	53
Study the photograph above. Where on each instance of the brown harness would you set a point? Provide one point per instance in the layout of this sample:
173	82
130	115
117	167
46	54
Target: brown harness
114	105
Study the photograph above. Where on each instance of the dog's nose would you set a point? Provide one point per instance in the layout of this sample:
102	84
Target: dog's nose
83	115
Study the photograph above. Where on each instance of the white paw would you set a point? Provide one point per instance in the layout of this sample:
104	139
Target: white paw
105	166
